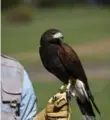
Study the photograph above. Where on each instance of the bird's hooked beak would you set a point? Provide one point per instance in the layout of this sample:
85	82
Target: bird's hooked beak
60	43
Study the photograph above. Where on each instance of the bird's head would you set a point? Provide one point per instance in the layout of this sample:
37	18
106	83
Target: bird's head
51	36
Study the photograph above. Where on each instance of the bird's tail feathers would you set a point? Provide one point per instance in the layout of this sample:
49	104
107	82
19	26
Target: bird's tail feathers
92	101
86	117
95	106
88	95
86	109
83	101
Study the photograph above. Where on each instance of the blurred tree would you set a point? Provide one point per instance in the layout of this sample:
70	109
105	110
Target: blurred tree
106	2
11	3
51	3
8	3
93	2
47	3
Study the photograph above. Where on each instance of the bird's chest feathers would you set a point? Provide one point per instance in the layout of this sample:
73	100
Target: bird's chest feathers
50	54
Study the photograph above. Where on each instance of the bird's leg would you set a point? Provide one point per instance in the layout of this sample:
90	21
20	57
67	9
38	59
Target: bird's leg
73	91
71	87
68	90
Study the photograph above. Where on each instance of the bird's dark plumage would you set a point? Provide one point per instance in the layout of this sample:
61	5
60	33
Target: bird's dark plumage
62	61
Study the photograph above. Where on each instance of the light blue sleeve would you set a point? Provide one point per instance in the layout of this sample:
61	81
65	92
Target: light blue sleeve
28	107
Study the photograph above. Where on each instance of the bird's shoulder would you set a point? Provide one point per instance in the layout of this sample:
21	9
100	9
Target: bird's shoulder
68	52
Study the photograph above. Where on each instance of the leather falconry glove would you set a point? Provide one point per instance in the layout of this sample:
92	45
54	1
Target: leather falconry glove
58	108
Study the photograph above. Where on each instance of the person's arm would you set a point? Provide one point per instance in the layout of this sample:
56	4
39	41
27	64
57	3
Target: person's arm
28	106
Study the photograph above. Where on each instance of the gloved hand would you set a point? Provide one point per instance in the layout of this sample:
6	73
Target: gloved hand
58	108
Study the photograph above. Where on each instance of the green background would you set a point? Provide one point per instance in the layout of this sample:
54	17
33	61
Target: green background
79	26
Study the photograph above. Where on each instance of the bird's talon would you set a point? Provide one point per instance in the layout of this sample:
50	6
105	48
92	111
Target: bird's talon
68	94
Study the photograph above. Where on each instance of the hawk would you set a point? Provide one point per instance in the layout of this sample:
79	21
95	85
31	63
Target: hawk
62	61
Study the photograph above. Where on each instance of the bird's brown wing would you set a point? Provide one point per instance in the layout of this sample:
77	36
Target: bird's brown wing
71	62
73	66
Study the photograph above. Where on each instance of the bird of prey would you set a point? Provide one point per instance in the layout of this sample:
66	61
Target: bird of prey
63	62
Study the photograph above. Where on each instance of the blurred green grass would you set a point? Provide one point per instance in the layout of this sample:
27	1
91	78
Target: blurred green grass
100	89
78	25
